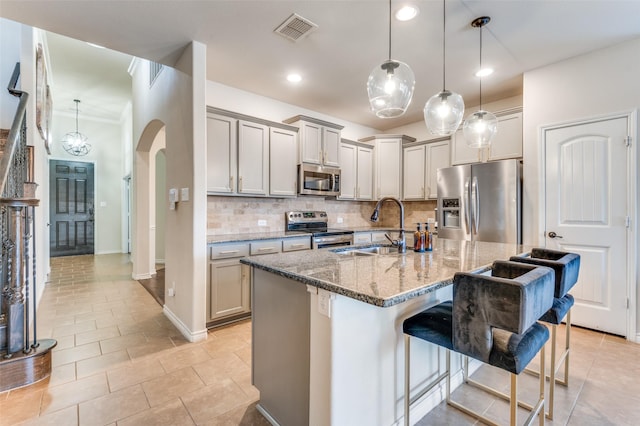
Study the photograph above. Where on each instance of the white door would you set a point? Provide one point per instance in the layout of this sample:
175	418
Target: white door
586	171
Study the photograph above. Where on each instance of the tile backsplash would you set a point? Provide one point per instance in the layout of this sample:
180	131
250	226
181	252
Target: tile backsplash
238	215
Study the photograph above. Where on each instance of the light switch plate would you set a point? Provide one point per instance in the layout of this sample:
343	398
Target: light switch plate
184	194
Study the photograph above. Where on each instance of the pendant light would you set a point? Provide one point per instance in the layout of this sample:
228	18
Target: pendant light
390	85
481	126
75	143
444	111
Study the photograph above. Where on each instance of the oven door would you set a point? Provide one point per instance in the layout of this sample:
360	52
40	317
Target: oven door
317	180
332	241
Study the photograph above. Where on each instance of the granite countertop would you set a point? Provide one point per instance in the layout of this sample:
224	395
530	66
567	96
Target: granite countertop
385	280
254	236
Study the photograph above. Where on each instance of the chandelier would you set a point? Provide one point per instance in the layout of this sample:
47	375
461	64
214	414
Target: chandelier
75	143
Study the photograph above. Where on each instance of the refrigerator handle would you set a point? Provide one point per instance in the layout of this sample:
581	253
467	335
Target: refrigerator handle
467	204
476	203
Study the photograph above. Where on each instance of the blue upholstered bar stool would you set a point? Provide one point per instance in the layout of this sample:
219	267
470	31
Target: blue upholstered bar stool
492	318
566	266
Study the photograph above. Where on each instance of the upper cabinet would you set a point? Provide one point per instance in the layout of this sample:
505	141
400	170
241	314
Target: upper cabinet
222	153
507	143
356	165
250	156
319	140
421	163
283	149
388	164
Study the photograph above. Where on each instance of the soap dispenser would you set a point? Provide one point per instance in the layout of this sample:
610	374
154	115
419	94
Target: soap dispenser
417	239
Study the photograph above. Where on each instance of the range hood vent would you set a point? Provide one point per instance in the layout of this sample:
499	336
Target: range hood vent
295	27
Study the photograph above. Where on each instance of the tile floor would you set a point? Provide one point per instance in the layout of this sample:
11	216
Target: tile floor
119	361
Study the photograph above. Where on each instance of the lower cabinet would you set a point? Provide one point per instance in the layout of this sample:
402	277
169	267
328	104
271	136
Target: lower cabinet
229	281
229	288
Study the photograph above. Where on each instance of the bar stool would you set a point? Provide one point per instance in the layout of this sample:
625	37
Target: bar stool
566	266
492	318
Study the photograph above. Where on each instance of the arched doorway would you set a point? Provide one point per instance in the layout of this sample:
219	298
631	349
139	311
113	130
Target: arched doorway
143	254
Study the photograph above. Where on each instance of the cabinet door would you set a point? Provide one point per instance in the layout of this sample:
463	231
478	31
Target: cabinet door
507	143
331	146
388	167
221	153
282	162
229	287
253	158
414	172
311	143
348	170
437	157
364	174
461	153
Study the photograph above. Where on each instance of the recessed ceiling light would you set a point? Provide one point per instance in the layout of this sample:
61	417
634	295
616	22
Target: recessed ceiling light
407	12
294	78
484	72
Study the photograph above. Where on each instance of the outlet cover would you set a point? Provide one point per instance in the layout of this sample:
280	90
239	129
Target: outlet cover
340	220
262	222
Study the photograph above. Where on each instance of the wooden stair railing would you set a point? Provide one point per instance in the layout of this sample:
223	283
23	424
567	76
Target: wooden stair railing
23	358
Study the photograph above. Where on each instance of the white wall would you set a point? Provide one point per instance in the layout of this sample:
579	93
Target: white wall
106	153
240	101
599	83
419	129
177	101
10	43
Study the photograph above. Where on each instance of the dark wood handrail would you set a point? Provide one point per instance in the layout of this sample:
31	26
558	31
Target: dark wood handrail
14	132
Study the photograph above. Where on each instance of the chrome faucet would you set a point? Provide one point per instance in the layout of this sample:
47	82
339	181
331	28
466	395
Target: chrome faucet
399	243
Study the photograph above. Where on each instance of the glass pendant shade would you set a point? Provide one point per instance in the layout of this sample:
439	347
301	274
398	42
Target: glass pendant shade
443	113
479	128
390	88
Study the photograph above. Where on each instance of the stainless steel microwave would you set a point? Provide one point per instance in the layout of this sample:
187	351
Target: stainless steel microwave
318	180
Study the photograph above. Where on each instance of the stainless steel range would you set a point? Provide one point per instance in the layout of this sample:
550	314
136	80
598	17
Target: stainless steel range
315	223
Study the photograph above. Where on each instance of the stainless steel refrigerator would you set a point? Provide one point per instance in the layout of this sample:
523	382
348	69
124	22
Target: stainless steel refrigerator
481	202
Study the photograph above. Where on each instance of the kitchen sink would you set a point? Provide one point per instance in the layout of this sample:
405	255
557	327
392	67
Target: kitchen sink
367	251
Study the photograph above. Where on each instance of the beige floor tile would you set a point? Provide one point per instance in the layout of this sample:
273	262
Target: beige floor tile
66	330
88	367
97	335
114	406
185	357
122	342
77	353
62	374
133	373
219	344
172	413
68	394
64	417
153	346
213	401
64	342
243	415
172	385
19	407
221	367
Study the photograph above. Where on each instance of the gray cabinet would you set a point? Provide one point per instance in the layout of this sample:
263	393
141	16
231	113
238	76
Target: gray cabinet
356	164
229	281
319	140
388	164
228	292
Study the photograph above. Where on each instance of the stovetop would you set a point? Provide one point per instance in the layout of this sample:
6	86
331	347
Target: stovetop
313	222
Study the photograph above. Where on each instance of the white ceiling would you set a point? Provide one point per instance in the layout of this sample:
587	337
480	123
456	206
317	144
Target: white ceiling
335	60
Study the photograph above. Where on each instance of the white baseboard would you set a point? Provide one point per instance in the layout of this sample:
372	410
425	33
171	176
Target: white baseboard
184	330
140	276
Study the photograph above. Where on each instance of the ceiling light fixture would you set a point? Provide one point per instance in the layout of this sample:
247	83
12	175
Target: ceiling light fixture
294	78
481	126
390	85
75	143
407	13
484	72
444	111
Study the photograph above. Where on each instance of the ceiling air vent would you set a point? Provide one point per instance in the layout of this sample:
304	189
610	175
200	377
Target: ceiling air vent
295	27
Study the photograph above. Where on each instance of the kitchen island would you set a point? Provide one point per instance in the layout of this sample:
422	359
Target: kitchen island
327	329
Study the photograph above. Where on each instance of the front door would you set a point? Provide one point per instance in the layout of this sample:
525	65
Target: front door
586	190
71	208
